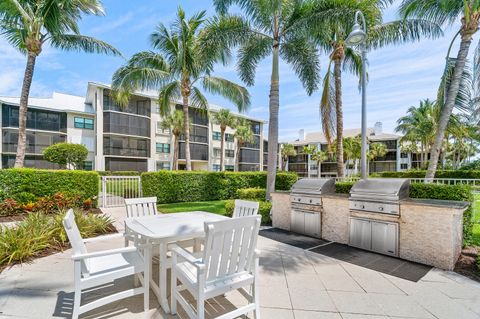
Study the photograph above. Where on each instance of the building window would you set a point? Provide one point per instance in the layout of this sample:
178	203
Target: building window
249	156
163	166
403	166
163	148
81	122
126	124
229	168
160	130
256	128
229	153
403	155
216	136
217	152
126	146
216	167
229	137
88	166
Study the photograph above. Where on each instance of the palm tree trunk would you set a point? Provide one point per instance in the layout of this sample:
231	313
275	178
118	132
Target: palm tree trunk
22	116
175	152
222	150
449	104
319	169
339	111
186	133
274	105
237	157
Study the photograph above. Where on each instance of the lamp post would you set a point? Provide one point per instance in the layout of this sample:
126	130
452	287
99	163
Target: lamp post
358	38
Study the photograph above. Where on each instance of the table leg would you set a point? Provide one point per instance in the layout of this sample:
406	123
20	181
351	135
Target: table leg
162	277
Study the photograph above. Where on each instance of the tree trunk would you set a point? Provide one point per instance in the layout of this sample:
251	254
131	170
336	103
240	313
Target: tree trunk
339	111
449	105
186	133
175	152
319	169
222	150
237	157
274	105
22	116
422	154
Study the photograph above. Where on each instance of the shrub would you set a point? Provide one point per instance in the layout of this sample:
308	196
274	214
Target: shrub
343	187
183	186
24	197
438	174
9	207
56	202
40	183
65	154
39	232
264	210
254	193
439	191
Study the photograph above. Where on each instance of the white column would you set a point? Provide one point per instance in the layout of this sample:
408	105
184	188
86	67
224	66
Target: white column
99	158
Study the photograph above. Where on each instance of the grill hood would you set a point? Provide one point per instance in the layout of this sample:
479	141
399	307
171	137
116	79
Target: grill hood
314	186
380	189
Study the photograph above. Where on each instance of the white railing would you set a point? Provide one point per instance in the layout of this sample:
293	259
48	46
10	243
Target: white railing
115	189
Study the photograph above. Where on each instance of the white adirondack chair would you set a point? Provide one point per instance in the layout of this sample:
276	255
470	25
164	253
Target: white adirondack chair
245	208
138	207
99	268
229	262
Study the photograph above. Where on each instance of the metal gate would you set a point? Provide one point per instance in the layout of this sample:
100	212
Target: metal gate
115	189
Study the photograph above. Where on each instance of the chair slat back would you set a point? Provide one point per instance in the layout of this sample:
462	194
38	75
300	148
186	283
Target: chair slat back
230	246
74	236
138	207
245	208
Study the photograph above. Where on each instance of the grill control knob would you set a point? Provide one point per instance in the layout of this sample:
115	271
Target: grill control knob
362	206
310	201
380	208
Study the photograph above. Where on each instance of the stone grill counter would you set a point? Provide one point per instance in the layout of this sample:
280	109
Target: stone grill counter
430	231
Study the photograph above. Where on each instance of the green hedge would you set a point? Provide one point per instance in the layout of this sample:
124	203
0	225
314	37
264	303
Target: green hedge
29	184
118	173
438	174
264	210
343	187
183	186
253	193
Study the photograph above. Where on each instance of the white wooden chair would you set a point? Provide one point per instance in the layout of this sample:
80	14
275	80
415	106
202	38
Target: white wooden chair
229	262
245	208
102	267
138	207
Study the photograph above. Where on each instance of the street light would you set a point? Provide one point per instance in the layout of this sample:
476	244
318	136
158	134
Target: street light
358	38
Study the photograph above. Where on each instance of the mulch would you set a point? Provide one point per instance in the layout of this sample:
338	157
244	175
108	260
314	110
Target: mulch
466	264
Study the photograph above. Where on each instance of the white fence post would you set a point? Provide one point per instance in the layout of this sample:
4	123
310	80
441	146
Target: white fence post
116	188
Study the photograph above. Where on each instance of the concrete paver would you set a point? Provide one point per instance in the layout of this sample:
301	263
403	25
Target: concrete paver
294	284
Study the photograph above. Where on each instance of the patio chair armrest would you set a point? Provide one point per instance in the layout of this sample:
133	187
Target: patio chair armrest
104	253
179	251
100	238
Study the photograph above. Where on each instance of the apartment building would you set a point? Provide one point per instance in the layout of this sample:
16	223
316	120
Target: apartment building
121	139
394	159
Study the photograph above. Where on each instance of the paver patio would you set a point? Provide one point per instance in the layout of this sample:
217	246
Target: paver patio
294	284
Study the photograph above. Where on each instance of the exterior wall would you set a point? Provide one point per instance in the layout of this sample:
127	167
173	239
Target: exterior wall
431	231
99	158
82	136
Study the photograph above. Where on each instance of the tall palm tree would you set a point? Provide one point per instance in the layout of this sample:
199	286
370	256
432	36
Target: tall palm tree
243	135
447	12
317	156
182	63
286	151
175	123
269	28
331	33
225	119
28	25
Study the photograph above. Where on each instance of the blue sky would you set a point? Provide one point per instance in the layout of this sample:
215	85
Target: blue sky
399	75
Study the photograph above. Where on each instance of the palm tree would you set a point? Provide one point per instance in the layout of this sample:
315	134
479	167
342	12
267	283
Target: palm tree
286	151
175	123
243	135
418	126
331	35
351	149
225	119
317	156
182	62
269	28
376	150
447	12
29	25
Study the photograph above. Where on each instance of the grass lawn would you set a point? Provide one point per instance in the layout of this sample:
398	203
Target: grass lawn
216	207
476	218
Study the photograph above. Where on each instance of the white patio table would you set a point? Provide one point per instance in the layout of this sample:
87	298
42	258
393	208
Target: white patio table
164	229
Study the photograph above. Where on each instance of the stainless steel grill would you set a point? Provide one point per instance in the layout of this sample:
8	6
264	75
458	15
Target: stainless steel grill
379	195
306	202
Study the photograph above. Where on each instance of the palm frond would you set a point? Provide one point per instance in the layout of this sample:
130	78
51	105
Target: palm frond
250	53
76	42
198	100
169	93
437	11
237	94
327	106
302	55
464	96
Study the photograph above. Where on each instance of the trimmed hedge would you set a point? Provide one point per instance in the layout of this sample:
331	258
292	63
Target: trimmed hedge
343	187
252	193
29	184
194	186
438	174
264	210
118	173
